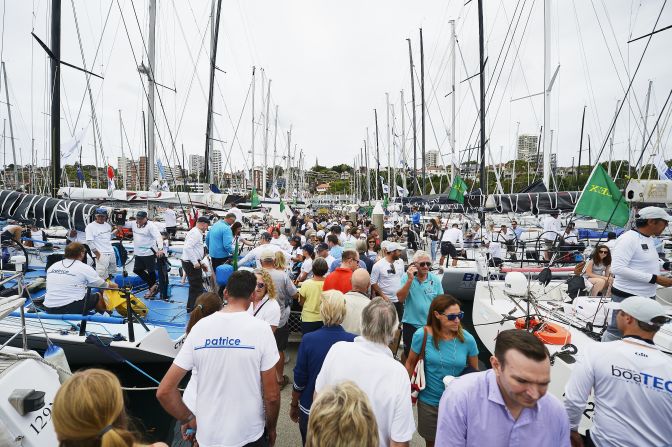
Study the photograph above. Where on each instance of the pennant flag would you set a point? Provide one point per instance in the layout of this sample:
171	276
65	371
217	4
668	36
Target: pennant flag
236	252
386	201
458	190
282	205
664	173
602	199
402	192
254	199
80	174
162	171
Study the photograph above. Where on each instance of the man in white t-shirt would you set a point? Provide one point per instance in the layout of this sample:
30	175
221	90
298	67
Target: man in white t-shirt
631	380
451	239
356	300
170	219
67	281
369	363
99	240
552	231
386	276
235	356
147	246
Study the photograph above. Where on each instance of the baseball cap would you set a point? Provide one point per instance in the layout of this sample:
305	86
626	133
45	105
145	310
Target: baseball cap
392	246
101	212
267	255
309	248
266	236
640	308
141	214
653	212
321	247
296	239
203	219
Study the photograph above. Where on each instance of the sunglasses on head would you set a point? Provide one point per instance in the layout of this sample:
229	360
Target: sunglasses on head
424	264
452	317
260	285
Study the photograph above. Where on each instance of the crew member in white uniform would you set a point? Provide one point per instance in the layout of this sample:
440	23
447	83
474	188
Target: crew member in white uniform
170	219
67	281
635	263
99	240
193	253
450	239
631	380
552	230
147	246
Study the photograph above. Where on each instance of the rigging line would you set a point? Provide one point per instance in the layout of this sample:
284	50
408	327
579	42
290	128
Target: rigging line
632	80
618	75
506	36
235	133
135	61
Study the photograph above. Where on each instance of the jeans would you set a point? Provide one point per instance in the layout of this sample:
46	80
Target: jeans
195	277
433	249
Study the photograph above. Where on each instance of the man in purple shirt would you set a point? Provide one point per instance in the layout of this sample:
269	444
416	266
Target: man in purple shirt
507	405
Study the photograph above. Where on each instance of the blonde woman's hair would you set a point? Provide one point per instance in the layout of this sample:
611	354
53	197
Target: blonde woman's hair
332	307
342	416
270	287
89	411
280	262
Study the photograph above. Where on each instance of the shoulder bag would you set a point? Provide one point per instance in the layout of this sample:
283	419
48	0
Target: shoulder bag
418	378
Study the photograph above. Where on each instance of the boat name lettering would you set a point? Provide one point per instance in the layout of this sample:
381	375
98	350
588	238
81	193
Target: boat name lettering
648	380
471	277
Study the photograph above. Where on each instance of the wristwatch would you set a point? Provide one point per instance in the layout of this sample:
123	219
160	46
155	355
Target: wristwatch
653	279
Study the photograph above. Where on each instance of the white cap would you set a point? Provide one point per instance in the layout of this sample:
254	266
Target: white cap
653	212
640	308
392	246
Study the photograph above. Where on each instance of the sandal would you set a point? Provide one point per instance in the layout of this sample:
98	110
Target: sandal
152	291
285	381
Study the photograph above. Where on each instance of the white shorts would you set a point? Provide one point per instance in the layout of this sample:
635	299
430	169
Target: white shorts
106	265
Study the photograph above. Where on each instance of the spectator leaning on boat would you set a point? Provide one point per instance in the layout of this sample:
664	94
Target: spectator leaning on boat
252	257
635	263
506	405
368	362
418	288
213	347
356	300
67	281
598	270
631	380
99	240
386	276
147	246
448	350
552	230
312	351
192	254
451	237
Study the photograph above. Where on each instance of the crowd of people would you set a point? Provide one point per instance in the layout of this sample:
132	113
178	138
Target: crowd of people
360	299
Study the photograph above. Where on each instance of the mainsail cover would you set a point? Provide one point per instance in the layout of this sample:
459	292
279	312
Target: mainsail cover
45	212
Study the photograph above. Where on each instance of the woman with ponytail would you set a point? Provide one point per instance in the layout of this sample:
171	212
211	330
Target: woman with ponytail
89	412
206	304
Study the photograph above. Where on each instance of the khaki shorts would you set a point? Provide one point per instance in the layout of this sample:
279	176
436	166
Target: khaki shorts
427	420
106	266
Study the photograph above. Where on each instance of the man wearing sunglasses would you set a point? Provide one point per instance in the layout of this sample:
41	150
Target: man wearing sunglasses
630	378
386	276
418	288
635	262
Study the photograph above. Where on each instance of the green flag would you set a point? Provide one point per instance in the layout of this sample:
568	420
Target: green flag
254	200
458	190
236	251
282	206
386	201
602	199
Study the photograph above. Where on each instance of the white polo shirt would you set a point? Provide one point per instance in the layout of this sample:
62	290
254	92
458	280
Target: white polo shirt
383	379
170	218
633	260
99	237
388	277
632	385
67	281
229	350
355	303
454	236
552	228
145	238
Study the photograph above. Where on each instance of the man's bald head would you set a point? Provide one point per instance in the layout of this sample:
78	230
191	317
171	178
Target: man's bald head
361	281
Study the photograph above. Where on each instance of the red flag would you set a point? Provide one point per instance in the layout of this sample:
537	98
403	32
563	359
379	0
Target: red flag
110	172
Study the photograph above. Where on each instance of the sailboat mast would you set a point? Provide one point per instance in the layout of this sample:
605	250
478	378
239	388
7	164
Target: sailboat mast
368	173
393	184
583	121
415	140
123	169
611	139
214	33
453	40
11	127
481	64
403	140
263	181
375	114
289	145
254	82
151	55
387	108
55	97
422	110
275	149
547	93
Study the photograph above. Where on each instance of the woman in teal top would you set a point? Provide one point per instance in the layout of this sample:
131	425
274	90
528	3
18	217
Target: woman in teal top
448	350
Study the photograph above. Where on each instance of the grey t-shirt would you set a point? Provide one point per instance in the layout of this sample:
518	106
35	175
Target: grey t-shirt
285	290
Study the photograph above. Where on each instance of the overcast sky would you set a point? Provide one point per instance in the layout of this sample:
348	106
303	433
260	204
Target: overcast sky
331	64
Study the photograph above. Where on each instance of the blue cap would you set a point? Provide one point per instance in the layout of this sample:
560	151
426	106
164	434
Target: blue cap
101	212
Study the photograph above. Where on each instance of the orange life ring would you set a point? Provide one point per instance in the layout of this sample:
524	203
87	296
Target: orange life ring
550	333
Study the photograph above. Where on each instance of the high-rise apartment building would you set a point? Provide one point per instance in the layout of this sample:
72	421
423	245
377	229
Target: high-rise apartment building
527	147
216	161
196	164
432	159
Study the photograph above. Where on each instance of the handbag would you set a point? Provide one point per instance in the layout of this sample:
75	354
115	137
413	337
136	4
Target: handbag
418	378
